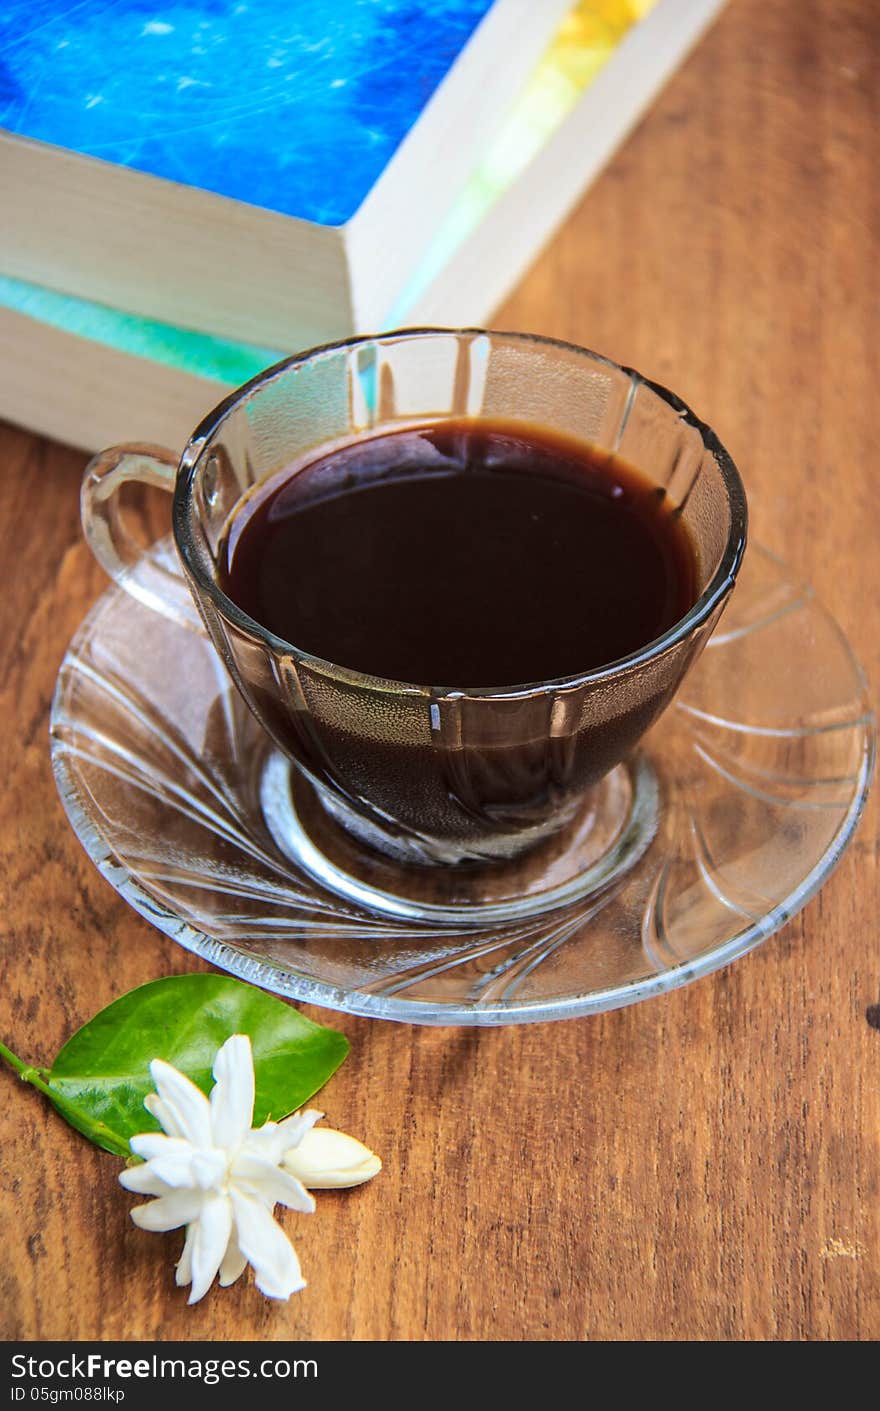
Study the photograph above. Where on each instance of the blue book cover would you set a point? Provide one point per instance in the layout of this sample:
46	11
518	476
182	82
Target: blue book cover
295	107
163	369
584	42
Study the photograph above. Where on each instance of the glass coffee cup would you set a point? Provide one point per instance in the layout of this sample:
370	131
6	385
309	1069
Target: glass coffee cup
427	773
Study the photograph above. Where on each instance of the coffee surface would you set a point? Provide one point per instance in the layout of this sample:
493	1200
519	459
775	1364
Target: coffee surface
466	553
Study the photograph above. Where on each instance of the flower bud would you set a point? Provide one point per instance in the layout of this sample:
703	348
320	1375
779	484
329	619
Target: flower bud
325	1159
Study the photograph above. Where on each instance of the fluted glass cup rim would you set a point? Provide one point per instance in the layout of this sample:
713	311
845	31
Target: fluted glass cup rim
702	610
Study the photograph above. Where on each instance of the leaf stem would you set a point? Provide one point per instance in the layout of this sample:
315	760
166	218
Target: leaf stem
27	1074
97	1132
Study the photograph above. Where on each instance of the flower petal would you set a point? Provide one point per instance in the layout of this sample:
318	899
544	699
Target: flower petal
150	1144
294	1128
183	1268
266	1141
163	1114
187	1105
326	1160
208	1169
170	1158
265	1245
212	1231
232	1098
234	1263
143	1180
169	1212
273	1139
269	1183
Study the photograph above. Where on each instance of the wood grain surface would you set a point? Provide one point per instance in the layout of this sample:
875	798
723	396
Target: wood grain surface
702	1166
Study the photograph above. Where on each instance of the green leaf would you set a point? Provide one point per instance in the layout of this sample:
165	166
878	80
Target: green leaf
102	1074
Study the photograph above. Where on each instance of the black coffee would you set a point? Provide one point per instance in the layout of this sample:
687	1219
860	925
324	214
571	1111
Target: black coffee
467	553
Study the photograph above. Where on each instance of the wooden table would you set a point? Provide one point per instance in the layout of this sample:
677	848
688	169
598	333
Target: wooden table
702	1166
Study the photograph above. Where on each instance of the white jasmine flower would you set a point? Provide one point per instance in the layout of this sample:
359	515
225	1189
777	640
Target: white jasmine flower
213	1173
325	1159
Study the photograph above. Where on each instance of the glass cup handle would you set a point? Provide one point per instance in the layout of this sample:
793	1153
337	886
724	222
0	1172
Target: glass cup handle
108	536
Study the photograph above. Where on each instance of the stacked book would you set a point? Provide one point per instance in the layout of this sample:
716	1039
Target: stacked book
191	192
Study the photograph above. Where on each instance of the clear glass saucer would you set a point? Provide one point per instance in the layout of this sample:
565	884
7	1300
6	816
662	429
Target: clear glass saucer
755	779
